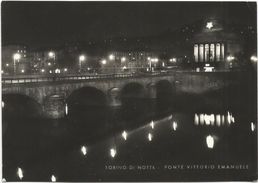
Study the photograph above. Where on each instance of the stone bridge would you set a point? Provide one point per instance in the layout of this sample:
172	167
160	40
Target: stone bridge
52	92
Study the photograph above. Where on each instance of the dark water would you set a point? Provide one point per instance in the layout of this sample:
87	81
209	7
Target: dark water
177	151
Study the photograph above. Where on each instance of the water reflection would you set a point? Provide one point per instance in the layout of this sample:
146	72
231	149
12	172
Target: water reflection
66	109
213	119
174	125
112	152
124	135
210	141
149	136
89	130
53	178
84	150
252	126
152	124
20	173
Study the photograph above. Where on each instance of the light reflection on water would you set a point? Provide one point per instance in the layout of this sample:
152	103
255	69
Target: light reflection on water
152	141
214	119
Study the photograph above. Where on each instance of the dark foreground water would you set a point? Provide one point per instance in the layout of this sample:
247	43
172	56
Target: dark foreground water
166	139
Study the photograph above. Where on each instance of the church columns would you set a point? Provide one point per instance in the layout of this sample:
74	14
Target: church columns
209	52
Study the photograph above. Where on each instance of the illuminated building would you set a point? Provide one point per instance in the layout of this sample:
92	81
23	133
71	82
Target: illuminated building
213	45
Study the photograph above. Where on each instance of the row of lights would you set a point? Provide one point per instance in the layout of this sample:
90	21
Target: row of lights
211	119
210	142
20	175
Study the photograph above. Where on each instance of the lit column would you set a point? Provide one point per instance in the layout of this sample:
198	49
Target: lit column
201	52
212	52
218	52
196	52
222	52
206	52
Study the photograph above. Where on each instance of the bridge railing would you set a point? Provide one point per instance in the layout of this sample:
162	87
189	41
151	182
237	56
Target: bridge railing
60	77
33	79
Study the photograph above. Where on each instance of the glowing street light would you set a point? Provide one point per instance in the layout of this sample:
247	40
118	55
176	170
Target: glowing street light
124	135
22	71
53	178
65	69
7	65
51	54
42	70
16	57
82	58
230	58
210	142
254	58
104	62
111	57
172	60
57	71
123	59
112	152
49	64
84	150
20	173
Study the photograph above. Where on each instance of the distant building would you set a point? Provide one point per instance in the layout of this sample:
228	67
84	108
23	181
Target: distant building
43	61
215	47
14	59
127	61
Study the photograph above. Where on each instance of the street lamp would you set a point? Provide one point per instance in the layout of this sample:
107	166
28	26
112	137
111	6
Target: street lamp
230	58
172	60
123	59
51	54
254	58
111	57
16	57
104	62
81	59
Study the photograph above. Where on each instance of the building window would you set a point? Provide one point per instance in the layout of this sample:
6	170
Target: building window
218	52
222	51
206	52
212	52
201	52
196	53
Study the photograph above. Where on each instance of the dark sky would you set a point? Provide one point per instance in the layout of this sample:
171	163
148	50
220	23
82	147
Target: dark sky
40	23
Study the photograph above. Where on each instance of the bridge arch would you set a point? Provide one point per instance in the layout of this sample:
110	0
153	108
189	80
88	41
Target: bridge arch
20	105
87	95
113	95
132	90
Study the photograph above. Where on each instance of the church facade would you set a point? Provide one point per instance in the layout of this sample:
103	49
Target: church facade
215	48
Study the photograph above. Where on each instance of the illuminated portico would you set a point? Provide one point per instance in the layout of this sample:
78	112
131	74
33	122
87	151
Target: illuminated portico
213	44
209	52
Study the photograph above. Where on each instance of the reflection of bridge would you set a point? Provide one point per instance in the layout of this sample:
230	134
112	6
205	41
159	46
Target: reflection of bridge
51	92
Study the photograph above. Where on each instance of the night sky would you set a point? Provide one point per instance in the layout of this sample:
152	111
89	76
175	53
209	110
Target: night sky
43	23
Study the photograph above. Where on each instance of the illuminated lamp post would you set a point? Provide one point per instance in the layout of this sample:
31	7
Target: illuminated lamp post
82	58
16	57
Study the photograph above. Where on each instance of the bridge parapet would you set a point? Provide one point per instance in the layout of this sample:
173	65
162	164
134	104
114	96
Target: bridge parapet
41	89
